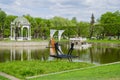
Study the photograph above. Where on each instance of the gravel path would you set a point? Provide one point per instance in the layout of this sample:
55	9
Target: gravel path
8	76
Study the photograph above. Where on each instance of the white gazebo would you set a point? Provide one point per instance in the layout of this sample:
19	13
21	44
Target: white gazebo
20	29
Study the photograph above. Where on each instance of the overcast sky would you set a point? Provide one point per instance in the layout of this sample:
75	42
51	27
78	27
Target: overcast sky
81	9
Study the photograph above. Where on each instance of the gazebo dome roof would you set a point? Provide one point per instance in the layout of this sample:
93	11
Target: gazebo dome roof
21	20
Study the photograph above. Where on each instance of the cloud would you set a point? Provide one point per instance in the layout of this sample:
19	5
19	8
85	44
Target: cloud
82	9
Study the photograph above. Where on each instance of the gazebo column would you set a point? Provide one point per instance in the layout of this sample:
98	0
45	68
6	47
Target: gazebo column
30	32
11	34
14	34
29	36
22	33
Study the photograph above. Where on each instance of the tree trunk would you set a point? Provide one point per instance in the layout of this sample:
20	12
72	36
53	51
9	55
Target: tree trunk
91	32
118	35
1	34
79	32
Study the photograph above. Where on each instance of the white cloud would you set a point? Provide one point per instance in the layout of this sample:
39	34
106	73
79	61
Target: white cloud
17	3
82	9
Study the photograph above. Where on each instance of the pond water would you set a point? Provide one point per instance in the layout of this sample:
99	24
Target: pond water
97	54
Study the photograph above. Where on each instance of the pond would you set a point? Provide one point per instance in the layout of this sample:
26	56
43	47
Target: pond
99	53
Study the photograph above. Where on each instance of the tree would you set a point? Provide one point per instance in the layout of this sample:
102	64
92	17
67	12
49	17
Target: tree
63	23
92	26
74	21
117	24
107	20
37	27
8	20
2	21
99	31
110	22
83	29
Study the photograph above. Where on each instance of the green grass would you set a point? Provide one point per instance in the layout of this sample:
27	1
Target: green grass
109	72
104	41
3	78
31	68
33	40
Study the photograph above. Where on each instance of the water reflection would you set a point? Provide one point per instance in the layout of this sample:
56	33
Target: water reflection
98	53
101	54
23	53
17	53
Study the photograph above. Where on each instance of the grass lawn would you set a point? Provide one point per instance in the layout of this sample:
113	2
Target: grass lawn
104	41
23	69
107	72
33	40
3	78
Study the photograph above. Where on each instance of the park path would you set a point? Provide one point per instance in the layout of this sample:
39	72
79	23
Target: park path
8	76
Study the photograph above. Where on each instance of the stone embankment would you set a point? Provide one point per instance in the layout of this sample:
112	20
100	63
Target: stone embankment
23	44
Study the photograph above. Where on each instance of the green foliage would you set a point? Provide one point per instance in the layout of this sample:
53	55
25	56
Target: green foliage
40	28
92	27
62	23
83	29
74	21
2	17
108	19
107	25
32	68
2	21
8	20
111	23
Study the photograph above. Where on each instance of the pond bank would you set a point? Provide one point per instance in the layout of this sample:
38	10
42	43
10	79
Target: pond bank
104	41
23	44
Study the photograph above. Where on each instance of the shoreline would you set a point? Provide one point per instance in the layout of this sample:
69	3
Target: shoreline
23	44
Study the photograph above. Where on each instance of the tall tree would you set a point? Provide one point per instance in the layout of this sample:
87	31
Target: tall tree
8	20
117	24
74	21
109	21
83	29
92	26
2	21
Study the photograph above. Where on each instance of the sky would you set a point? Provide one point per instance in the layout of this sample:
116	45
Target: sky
81	9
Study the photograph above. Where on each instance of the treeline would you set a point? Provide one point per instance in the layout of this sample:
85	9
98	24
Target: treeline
107	25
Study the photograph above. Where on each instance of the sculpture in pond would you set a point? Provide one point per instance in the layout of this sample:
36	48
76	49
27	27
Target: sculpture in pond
55	48
20	29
